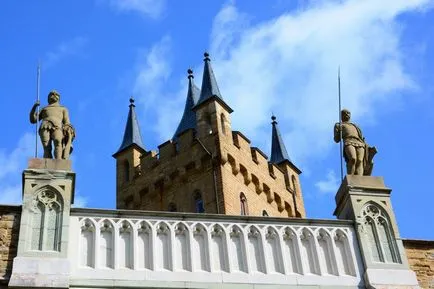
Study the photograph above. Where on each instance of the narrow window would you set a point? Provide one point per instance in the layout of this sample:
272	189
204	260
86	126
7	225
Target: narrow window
172	207
294	184
223	123
126	169
264	213
243	203
198	202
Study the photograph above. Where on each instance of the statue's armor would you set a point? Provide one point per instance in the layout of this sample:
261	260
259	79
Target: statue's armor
351	135
52	118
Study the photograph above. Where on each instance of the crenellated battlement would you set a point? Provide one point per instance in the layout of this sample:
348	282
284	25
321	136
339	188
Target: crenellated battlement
276	184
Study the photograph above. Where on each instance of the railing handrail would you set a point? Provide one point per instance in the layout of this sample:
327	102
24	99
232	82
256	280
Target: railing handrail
139	214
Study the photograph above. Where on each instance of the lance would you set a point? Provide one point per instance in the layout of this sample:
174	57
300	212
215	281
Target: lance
340	123
38	75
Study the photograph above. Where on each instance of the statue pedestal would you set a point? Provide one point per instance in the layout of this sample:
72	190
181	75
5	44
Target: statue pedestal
366	200
42	257
50	164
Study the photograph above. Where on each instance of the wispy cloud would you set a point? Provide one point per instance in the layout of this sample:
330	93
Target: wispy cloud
67	48
11	164
150	89
330	185
150	8
80	201
288	65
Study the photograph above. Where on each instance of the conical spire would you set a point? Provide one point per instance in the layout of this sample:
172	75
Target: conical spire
188	119
278	149
132	134
210	88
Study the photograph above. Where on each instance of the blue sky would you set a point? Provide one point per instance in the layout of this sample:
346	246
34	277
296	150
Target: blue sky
268	56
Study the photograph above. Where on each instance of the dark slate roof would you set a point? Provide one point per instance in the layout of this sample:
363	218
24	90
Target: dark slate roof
210	88
132	134
188	119
278	149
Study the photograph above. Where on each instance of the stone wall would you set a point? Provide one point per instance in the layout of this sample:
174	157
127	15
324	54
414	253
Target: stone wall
420	256
171	179
9	231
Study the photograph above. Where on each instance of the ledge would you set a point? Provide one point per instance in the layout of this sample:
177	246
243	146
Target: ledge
194	216
10	208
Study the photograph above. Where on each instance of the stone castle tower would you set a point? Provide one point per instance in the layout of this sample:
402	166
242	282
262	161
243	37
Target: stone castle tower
206	166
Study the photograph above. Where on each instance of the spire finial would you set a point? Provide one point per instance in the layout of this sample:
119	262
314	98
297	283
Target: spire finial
190	73
278	149
132	135
206	55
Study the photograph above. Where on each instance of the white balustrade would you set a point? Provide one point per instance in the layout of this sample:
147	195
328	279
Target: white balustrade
196	248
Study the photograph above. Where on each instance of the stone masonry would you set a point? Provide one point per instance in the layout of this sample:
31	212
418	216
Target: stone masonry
178	170
210	161
420	256
9	228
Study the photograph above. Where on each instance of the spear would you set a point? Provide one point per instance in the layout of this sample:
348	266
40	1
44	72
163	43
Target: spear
38	76
340	122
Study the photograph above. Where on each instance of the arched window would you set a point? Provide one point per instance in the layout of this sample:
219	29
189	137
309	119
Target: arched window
380	235
198	202
223	123
264	213
243	203
172	207
126	170
47	220
208	123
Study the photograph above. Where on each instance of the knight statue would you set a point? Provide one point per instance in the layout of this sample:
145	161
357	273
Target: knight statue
56	129
357	154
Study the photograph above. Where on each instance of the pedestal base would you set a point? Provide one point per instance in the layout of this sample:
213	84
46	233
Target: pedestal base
391	279
50	164
31	272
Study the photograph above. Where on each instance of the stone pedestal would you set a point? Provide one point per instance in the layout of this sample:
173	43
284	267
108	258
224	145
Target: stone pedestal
366	200
48	192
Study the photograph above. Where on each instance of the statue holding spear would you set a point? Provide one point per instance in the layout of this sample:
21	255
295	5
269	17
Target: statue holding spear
55	129
356	152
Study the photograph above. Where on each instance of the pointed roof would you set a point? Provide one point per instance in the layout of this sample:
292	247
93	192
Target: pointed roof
210	89
278	149
188	119
132	134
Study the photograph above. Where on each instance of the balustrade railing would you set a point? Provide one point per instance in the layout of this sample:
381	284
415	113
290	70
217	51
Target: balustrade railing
106	245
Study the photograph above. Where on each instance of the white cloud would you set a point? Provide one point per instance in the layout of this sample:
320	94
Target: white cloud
330	184
232	22
150	89
150	8
11	164
288	65
153	70
67	48
80	201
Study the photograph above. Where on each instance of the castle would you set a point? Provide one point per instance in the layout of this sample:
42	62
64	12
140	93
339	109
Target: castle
208	210
206	167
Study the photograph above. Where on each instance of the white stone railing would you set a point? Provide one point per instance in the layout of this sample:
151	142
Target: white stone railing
132	248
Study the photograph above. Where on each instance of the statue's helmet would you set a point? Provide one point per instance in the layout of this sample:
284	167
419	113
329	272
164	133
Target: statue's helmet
53	96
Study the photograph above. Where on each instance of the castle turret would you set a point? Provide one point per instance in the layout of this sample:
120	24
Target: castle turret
188	120
206	166
212	112
280	157
129	153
